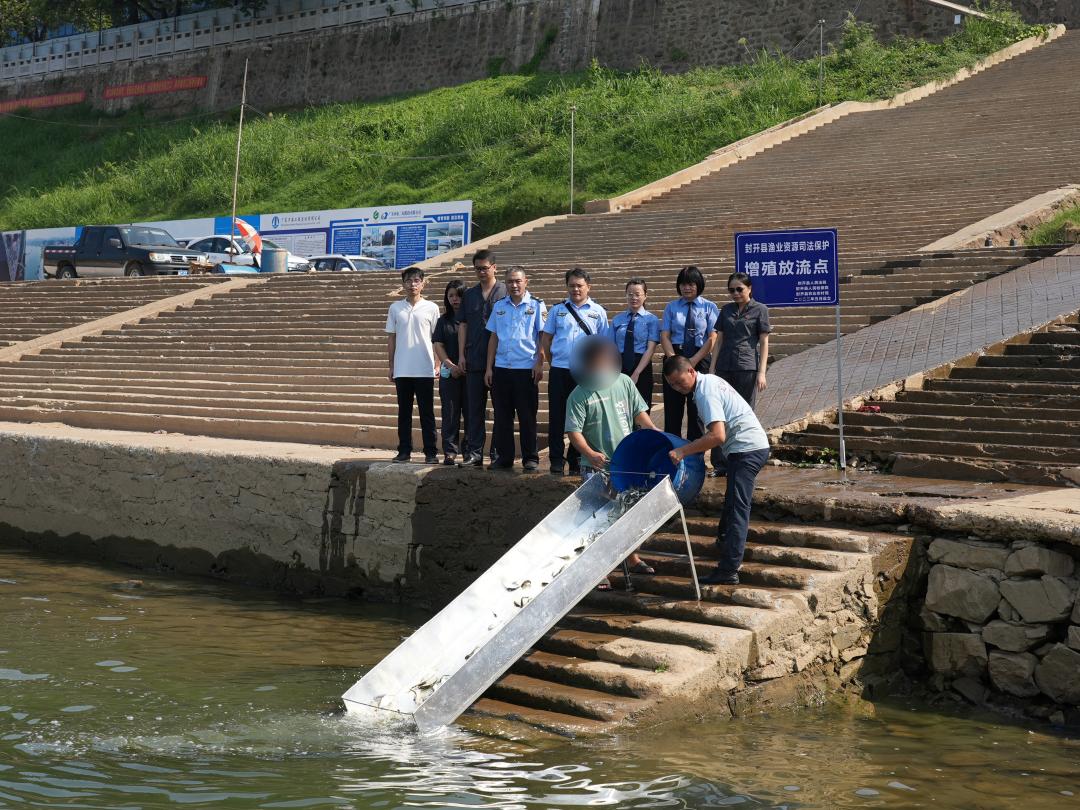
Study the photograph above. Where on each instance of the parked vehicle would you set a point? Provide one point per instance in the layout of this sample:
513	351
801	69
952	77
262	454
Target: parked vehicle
342	263
217	248
119	250
222	249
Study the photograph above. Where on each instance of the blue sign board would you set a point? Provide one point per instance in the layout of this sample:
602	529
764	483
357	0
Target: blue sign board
790	268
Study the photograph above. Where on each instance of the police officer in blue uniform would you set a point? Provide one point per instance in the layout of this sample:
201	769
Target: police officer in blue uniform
515	366
569	321
688	329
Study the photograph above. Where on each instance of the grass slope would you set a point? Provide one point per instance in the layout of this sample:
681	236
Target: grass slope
502	142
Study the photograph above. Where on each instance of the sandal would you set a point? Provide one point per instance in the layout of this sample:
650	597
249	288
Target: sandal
643	568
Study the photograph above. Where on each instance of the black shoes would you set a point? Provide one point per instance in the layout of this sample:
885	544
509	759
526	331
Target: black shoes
402	457
556	470
719	577
431	458
474	460
530	466
449	461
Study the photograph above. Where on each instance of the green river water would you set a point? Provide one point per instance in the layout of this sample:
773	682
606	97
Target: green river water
183	693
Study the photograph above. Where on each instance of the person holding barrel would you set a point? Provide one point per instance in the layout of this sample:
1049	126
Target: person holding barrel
688	330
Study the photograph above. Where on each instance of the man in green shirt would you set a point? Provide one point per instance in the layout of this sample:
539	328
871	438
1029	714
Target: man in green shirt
601	412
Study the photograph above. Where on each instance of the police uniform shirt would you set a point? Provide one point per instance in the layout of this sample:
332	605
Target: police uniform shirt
518	327
741	332
476	311
703	322
717	401
564	329
646	328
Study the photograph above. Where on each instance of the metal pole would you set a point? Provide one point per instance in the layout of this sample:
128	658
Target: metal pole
840	388
821	60
690	554
573	111
236	170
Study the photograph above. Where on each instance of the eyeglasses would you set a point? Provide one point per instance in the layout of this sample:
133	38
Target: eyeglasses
736	289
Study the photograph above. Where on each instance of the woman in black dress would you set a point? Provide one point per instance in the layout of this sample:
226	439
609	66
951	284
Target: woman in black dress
451	374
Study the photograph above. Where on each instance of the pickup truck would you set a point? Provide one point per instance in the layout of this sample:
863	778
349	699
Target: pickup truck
114	250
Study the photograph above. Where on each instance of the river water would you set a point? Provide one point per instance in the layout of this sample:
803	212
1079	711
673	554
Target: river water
177	693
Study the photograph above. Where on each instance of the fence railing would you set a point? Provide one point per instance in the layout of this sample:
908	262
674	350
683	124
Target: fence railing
199	31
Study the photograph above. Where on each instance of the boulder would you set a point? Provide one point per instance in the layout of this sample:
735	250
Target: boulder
1074	637
1013	673
1048	599
1014	637
961	593
971	554
1058	675
931	621
1035	561
956	654
1007	611
1075	618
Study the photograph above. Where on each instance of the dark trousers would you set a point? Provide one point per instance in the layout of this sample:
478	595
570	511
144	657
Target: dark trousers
644	382
514	394
676	404
422	389
560	384
453	398
742	470
745	385
476	398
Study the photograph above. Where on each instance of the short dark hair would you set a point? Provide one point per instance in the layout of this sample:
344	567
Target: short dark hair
639	281
409	272
594	348
483	254
456	285
675	364
577	272
745	279
690	275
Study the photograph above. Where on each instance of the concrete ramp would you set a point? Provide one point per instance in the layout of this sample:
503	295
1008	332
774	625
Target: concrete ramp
440	670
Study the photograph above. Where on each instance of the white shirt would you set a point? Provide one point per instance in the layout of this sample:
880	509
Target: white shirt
717	401
413	325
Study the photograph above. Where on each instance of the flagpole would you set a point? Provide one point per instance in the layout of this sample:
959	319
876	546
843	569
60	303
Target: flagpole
236	170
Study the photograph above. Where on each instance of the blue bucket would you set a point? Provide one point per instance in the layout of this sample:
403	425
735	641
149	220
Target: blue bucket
641	460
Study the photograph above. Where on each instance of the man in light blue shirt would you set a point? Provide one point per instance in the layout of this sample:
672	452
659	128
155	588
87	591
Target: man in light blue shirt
728	422
515	366
569	321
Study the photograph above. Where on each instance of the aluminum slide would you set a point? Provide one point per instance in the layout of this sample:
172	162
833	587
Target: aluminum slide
440	670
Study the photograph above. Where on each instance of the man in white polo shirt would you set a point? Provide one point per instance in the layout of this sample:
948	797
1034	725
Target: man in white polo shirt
728	422
410	324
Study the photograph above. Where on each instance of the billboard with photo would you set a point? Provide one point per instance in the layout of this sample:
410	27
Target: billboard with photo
394	235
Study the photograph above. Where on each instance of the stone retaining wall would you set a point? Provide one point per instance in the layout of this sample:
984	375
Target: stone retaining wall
289	517
429	49
1001	624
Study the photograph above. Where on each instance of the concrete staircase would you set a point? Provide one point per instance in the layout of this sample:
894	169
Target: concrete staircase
810	600
303	358
31	309
1012	415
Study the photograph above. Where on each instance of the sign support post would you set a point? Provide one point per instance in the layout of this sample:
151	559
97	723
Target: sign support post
797	268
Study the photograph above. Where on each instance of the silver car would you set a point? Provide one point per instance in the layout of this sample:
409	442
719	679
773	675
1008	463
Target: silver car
343	263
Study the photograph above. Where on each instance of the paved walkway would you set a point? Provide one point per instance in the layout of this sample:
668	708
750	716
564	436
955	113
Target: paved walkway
924	338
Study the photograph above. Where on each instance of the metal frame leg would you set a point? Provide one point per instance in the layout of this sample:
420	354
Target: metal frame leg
690	553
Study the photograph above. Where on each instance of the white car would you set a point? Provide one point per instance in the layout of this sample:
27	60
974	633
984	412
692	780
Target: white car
223	249
342	263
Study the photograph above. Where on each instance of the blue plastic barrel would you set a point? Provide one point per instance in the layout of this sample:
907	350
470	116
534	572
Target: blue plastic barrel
641	460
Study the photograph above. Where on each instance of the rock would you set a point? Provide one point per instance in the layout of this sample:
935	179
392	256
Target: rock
975	555
1014	637
1075	618
1013	673
1048	599
1034	561
1007	611
1074	637
962	593
970	689
931	621
956	653
1058	675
